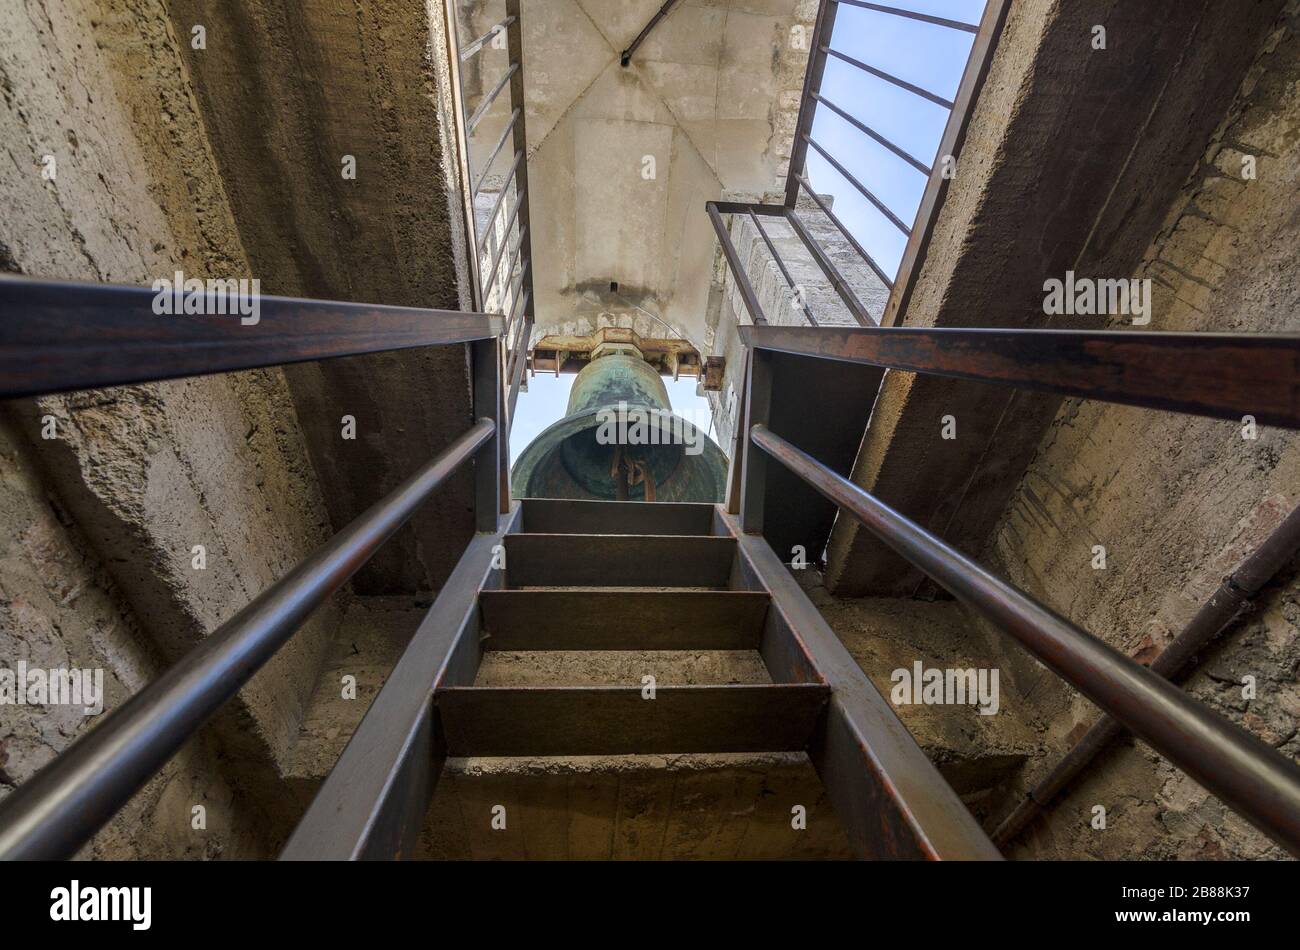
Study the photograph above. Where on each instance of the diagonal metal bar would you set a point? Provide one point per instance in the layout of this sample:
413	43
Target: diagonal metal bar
625	57
841	286
463	174
835	220
505	241
738	272
469	51
1224	608
812	82
913	15
520	207
517	97
1220	375
785	271
517	288
888	77
490	98
519	293
894	219
60	336
496	150
865	129
519	361
518	319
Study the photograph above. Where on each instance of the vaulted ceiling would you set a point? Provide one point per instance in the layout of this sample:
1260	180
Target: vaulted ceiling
622	160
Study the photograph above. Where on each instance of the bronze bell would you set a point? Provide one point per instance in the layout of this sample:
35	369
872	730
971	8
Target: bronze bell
620	440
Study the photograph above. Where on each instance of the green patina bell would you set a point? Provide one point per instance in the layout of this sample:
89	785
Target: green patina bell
620	441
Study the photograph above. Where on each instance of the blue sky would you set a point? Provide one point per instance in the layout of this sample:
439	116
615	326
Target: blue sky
932	57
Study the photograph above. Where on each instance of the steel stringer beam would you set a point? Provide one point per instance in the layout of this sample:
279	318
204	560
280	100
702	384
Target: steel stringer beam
1220	375
61	336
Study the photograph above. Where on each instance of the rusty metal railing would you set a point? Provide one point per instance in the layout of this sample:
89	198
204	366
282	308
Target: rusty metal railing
57	336
755	213
1214	375
1224	376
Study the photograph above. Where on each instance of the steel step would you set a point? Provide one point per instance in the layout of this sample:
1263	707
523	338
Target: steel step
562	516
618	720
613	560
606	619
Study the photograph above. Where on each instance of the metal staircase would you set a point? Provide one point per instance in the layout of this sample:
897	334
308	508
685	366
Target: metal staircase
623	586
607	561
545	575
635	576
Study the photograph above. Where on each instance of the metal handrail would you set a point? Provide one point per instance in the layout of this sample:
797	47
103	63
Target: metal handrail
1219	375
501	246
868	131
1230	601
834	219
889	77
815	250
62	806
625	57
863	190
738	272
520	192
1248	775
506	133
785	271
837	280
62	336
914	15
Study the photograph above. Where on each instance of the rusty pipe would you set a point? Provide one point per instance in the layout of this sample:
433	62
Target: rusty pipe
1225	606
1248	775
625	57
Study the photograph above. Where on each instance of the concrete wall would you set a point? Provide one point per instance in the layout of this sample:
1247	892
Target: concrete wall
60	608
100	521
1176	501
1071	161
286	90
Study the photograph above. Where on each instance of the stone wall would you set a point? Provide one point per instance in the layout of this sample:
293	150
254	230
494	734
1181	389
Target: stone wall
101	520
289	92
1072	158
1176	502
61	608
